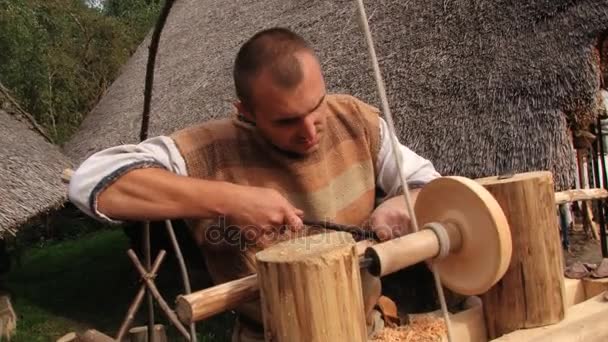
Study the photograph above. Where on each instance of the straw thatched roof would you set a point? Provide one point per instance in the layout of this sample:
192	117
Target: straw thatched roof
30	170
479	87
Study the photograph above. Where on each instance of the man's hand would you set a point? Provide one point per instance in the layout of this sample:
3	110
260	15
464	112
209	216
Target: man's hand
260	211
391	219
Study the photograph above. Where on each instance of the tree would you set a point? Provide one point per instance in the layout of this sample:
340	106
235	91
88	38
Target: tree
59	56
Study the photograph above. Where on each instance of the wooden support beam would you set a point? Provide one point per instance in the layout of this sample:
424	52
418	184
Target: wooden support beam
579	195
310	290
584	322
531	293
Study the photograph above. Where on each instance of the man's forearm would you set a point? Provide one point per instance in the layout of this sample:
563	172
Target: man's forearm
155	194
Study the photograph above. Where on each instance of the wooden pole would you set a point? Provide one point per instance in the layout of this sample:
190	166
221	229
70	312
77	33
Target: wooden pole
156	294
311	290
579	194
531	293
139	297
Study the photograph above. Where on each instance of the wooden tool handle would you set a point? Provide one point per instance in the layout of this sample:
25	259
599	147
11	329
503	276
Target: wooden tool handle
203	304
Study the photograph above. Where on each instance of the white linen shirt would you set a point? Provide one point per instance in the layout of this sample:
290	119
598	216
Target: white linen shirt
95	172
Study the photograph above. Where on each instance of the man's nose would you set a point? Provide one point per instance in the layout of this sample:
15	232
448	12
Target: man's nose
310	129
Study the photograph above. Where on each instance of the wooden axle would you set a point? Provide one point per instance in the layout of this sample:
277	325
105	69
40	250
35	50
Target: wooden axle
394	255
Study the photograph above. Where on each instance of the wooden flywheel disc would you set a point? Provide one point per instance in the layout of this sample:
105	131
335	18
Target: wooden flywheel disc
485	253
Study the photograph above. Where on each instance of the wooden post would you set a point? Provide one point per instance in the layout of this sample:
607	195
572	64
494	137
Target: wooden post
140	334
531	293
310	289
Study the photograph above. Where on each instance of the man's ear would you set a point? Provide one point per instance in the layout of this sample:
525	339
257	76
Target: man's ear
244	110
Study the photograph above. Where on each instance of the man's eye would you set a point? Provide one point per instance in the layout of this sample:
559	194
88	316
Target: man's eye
286	122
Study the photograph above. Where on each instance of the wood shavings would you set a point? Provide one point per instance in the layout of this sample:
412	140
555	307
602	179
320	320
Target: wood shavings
424	328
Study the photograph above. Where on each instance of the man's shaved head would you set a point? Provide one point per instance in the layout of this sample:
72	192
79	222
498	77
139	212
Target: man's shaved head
273	50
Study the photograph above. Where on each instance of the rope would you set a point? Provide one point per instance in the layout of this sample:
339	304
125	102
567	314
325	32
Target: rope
397	155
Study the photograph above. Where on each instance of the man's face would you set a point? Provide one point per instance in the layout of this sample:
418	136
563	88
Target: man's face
291	119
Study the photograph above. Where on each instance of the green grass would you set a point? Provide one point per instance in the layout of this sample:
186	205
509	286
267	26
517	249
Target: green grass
89	283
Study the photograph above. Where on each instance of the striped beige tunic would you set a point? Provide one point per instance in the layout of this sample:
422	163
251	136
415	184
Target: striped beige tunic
336	182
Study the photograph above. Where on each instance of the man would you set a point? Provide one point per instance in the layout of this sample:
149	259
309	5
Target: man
292	152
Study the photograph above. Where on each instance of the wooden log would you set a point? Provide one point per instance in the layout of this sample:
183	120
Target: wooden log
310	290
531	293
95	336
469	325
140	334
579	195
203	304
574	292
69	337
594	287
584	322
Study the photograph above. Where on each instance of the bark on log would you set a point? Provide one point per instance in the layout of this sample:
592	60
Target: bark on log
311	290
531	293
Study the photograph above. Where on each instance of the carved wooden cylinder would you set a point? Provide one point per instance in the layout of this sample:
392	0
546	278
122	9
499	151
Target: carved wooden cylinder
310	290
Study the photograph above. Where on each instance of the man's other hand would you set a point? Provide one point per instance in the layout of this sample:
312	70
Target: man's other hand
391	218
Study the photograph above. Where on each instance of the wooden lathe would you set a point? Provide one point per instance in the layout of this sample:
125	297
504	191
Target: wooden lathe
496	238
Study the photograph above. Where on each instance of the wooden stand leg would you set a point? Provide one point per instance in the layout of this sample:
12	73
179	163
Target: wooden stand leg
140	334
531	293
589	225
310	289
